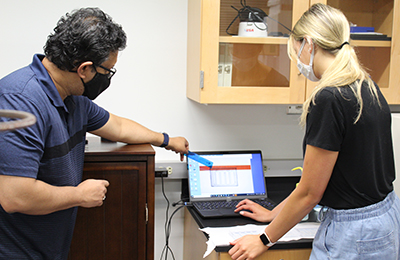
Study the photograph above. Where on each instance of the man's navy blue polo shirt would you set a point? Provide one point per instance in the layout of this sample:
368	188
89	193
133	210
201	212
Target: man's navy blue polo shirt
52	151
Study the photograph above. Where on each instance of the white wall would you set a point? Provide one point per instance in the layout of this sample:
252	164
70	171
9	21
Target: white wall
150	85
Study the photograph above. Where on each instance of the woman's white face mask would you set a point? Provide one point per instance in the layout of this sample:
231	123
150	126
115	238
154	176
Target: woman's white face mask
306	70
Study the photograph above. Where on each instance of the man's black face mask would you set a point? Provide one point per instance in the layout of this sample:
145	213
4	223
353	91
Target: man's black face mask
96	86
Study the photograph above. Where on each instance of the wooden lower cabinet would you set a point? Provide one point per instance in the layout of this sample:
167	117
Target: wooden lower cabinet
123	228
278	254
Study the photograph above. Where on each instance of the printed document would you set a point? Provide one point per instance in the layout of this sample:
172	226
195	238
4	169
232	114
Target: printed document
222	236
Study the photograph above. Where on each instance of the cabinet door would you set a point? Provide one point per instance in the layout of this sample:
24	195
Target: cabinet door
381	58
237	70
281	254
116	230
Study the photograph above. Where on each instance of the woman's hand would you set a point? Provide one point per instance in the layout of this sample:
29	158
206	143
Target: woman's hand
247	248
250	209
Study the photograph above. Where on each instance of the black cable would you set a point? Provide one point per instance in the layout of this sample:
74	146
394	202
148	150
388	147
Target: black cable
176	203
165	196
229	26
168	221
169	233
259	18
166	247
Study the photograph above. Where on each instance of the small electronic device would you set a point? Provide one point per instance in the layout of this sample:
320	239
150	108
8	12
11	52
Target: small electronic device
253	21
253	29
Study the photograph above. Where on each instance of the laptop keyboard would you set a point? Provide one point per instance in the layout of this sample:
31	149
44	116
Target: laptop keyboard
216	204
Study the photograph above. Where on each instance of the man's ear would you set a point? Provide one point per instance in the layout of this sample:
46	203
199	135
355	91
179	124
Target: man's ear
85	69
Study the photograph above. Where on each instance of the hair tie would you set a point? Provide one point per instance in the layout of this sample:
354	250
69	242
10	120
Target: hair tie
343	44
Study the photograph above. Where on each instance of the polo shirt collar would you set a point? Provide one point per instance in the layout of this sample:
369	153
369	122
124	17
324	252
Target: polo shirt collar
46	82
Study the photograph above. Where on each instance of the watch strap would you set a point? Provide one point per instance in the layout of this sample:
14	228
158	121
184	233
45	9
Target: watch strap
265	240
166	140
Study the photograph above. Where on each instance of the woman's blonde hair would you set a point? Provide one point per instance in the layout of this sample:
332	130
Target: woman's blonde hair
329	29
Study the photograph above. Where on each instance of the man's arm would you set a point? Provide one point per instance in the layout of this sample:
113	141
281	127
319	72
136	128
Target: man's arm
34	197
128	131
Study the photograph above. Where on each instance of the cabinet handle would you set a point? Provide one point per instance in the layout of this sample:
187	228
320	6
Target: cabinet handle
201	79
147	214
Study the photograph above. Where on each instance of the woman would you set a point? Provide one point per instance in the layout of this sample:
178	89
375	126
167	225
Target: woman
348	157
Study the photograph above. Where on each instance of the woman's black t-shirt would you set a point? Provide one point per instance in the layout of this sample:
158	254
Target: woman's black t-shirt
364	171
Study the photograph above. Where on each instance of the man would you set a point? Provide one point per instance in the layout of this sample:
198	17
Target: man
41	166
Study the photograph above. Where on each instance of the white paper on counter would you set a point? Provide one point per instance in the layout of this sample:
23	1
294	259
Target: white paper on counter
223	235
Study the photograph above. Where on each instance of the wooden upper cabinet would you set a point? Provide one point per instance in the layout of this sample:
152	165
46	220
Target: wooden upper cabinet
381	58
226	69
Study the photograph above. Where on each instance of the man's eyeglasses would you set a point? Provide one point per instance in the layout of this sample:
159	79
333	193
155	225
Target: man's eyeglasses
111	72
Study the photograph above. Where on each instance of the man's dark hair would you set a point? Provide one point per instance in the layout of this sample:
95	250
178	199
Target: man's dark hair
86	34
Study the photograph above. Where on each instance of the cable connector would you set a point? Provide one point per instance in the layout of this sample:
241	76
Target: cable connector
182	203
161	172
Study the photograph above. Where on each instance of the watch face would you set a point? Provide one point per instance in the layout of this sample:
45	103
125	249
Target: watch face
264	239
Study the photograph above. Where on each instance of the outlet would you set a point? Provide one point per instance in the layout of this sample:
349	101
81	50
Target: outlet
265	168
294	110
169	170
176	169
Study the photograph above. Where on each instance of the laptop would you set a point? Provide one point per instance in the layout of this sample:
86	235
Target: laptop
229	177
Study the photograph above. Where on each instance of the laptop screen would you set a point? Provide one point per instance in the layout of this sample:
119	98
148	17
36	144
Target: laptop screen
233	174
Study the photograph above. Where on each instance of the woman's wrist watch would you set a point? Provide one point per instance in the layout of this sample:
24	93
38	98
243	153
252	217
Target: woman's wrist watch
265	240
